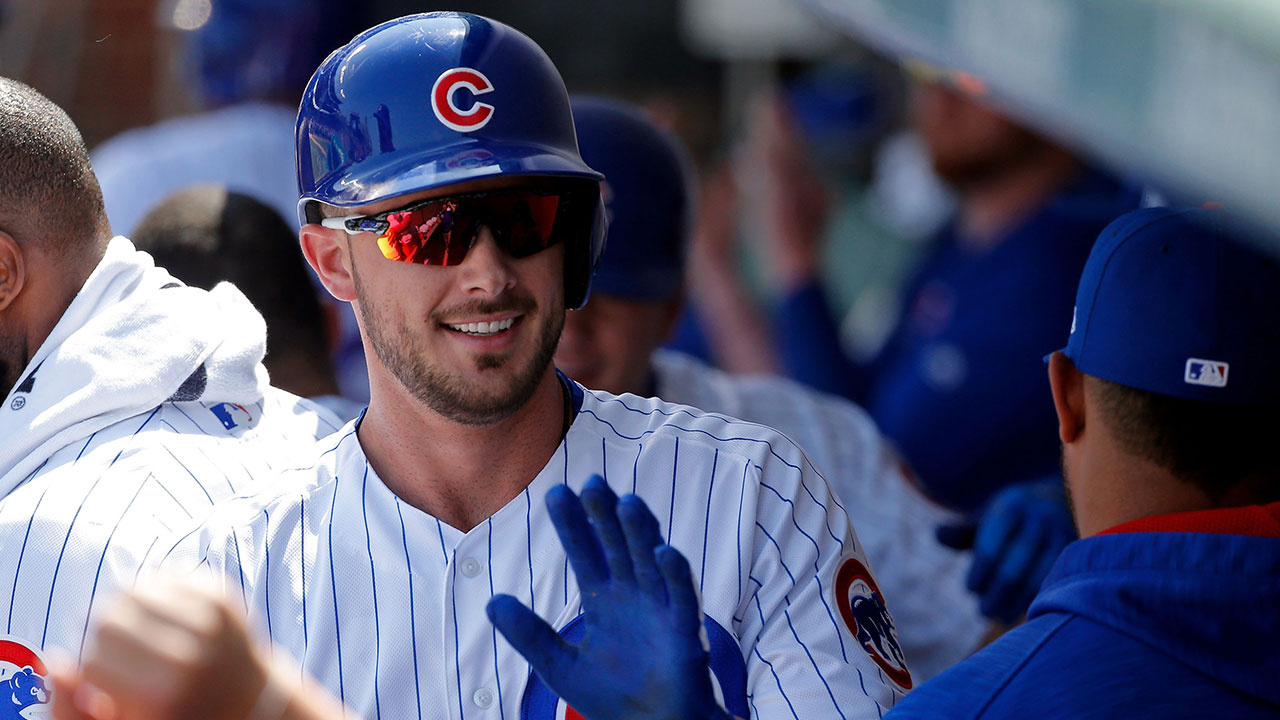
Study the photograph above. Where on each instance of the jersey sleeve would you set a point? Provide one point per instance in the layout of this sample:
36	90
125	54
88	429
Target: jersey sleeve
817	636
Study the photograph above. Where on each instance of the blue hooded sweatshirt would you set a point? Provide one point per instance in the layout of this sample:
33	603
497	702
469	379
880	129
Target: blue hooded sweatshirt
1176	616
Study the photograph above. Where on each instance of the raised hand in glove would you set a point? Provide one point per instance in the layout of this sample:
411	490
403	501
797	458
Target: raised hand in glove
642	656
1015	541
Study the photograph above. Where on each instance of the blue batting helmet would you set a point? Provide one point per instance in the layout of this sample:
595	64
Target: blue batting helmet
647	194
432	100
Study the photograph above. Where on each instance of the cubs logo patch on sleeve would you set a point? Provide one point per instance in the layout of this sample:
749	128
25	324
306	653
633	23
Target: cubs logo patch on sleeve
24	691
865	614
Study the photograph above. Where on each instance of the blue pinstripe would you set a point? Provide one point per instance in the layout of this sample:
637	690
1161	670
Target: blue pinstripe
457	661
817	574
93	592
675	467
193	476
333	584
635	469
863	684
373	583
502	713
777	680
13	592
235	545
413	613
706	523
70	526
791	626
266	574
302	548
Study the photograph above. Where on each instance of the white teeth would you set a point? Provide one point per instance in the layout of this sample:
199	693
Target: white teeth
484	328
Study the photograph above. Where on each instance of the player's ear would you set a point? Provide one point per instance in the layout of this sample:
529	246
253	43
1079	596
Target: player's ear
1067	384
329	254
13	270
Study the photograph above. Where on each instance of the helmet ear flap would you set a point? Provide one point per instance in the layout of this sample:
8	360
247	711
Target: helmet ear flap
580	262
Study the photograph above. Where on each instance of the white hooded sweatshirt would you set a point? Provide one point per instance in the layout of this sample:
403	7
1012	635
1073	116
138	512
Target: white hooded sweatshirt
147	403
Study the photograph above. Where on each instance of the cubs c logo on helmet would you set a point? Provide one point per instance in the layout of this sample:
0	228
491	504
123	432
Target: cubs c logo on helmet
864	612
23	692
447	111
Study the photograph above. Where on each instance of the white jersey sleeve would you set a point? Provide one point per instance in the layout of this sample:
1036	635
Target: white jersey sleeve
923	581
78	528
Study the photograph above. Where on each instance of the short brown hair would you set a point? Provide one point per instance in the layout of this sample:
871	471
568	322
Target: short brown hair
1214	446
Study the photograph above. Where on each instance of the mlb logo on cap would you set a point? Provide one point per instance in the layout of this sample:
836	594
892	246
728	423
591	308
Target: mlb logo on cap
1173	301
1206	372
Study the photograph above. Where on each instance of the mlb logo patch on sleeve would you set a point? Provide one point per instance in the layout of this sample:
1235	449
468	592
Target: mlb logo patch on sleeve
1209	373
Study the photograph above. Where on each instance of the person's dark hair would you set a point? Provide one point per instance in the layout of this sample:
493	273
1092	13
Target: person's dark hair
48	193
1213	446
205	234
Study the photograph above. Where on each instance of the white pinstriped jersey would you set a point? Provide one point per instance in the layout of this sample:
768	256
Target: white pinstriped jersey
384	604
145	404
78	528
939	621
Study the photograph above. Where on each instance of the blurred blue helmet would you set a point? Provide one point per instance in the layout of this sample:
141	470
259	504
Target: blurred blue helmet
263	49
432	100
647	194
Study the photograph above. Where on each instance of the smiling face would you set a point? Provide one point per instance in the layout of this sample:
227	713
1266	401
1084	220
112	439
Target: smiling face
472	341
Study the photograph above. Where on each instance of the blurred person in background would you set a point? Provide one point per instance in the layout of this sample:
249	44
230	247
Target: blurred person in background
1167	404
246	63
207	234
957	386
611	344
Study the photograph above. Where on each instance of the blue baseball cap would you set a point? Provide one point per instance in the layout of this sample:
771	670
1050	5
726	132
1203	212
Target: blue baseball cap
648	193
1172	303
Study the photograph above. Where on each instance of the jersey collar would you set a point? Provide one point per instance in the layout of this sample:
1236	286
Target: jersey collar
1252	520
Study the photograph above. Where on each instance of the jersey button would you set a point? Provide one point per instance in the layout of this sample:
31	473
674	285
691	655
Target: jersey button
483	697
470	567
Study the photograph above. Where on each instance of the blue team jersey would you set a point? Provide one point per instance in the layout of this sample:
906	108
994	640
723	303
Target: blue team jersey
960	387
1148	624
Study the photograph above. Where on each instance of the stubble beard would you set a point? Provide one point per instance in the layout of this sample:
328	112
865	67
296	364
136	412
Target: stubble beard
444	392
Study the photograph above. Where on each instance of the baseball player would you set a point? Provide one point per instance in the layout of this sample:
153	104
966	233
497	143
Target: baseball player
445	140
610	345
1167	398
132	402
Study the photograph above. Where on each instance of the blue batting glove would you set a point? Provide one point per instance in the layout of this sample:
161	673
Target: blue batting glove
1017	538
642	656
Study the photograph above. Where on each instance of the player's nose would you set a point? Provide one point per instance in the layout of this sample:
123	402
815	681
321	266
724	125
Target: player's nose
487	268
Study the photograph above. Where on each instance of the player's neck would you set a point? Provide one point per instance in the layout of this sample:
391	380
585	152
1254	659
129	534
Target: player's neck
460	474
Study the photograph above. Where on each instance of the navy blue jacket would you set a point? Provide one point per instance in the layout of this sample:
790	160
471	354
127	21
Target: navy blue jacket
1136	625
960	387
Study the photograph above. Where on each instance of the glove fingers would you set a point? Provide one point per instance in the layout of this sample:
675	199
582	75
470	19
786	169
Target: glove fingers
1009	585
602	511
643	536
685	607
550	655
997	528
1036	577
579	539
